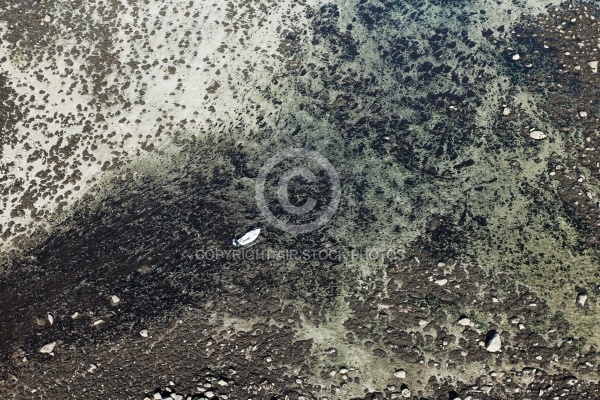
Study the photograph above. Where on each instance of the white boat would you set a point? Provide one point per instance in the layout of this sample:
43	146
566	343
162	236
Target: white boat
247	238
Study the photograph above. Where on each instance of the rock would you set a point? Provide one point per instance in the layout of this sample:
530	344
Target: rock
516	57
400	373
406	393
506	111
47	19
115	299
343	371
144	333
50	319
464	321
493	342
593	65
583	114
441	282
48	348
537	135
247	238
581	299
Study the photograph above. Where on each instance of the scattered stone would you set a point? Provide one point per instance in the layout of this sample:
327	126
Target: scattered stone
406	392
115	299
594	66
50	319
441	282
583	114
48	348
493	342
506	111
144	333
537	135
516	57
48	19
400	373
581	299
464	321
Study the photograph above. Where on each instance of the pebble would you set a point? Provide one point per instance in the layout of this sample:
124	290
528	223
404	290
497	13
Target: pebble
537	135
583	114
144	333
581	299
442	281
516	57
493	342
400	373
406	392
594	66
50	319
48	348
115	299
47	19
506	111
464	321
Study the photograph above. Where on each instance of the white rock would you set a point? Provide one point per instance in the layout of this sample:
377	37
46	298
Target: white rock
144	333
582	114
593	65
50	319
506	111
221	382
98	322
48	348
343	371
406	393
47	19
516	57
441	282
92	368
537	135
115	299
464	321
75	315
581	299
247	238
157	396
400	373
493	343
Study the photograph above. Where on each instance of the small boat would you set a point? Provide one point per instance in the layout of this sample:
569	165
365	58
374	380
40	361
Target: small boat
247	238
